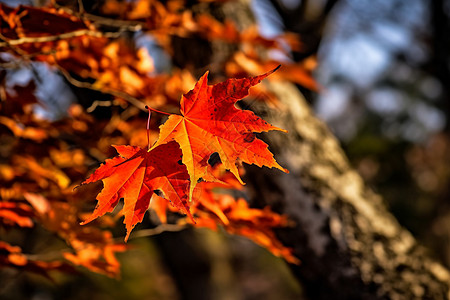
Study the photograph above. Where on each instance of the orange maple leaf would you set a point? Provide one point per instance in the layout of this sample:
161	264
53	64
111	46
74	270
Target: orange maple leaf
239	219
210	123
135	176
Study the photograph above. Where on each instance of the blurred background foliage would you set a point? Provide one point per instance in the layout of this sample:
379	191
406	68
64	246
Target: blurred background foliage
383	68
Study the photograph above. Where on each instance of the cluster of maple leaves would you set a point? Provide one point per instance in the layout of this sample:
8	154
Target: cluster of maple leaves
184	170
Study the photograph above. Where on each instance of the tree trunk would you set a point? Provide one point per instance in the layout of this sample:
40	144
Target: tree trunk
351	247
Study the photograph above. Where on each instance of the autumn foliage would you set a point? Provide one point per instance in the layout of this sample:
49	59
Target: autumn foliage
181	172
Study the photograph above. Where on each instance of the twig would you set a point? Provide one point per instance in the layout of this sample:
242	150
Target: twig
80	7
19	51
123	25
157	230
11	65
13	43
48	256
62	36
130	99
119	94
98	103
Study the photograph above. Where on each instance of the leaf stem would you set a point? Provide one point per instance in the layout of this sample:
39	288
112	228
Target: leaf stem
148	126
158	111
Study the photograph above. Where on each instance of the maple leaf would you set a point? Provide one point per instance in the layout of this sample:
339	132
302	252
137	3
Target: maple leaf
237	217
210	123
135	176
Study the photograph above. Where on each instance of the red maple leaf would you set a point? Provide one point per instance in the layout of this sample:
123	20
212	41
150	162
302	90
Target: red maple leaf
135	176
210	123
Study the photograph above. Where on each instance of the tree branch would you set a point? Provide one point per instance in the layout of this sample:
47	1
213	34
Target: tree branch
81	84
62	36
155	231
123	25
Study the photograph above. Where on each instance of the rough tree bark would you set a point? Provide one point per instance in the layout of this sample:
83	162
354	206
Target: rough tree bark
351	247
